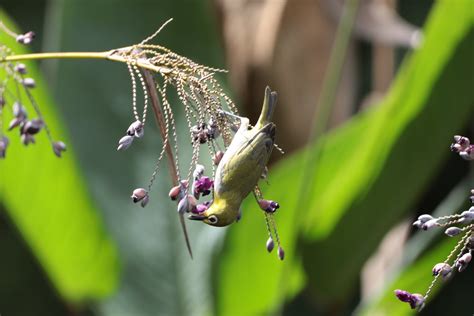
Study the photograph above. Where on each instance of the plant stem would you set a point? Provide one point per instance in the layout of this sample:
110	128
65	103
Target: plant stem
112	55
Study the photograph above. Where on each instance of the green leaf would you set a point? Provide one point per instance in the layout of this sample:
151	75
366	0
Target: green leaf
49	203
371	171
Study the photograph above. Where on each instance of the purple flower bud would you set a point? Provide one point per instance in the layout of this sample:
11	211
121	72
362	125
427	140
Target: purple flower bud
200	208
29	83
424	218
139	194
217	157
453	231
21	68
136	129
174	192
58	148
415	300
281	253
125	142
268	205
442	269
270	244
202	185
462	263
430	224
32	127
467	216
470	243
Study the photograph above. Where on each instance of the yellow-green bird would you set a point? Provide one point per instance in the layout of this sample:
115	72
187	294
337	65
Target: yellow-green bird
241	166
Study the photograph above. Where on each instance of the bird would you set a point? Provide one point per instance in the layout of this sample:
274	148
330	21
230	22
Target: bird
241	166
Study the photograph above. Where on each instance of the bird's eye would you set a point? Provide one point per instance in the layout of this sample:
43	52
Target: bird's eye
212	219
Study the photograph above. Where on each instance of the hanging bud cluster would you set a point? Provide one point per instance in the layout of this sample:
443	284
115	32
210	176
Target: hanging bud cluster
456	226
17	100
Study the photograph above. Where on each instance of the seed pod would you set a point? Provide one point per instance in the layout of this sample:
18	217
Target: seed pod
139	194
58	148
270	244
453	231
281	253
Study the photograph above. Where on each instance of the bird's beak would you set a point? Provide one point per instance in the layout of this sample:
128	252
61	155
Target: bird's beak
197	217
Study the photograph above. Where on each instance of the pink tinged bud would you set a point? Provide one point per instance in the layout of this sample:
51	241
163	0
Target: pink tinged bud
58	148
442	269
26	38
139	194
198	171
174	192
464	261
468	216
21	68
29	83
136	129
281	253
200	208
415	300
453	231
125	142
270	244
430	224
217	157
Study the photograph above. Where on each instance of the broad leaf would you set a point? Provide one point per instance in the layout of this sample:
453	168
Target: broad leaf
48	201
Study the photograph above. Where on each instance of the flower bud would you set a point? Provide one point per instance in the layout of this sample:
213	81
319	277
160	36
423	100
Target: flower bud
281	253
442	269
174	192
462	263
453	231
468	153
425	217
26	38
19	110
430	224
200	208
125	142
415	300
139	194
270	244
136	129
268	205
32	127
187	204
21	68
3	146
29	83
14	123
58	148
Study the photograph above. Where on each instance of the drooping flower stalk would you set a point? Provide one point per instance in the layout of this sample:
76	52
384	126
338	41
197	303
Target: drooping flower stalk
461	224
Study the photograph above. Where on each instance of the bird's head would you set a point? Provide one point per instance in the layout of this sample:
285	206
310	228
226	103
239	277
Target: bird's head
220	213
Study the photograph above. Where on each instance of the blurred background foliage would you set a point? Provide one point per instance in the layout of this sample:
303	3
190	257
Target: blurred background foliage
72	243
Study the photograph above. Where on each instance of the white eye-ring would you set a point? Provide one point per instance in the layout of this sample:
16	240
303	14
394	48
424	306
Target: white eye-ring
212	219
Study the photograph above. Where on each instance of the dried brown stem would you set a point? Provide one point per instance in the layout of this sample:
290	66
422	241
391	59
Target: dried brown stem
156	106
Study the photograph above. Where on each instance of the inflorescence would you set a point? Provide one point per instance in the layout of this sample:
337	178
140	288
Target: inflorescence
154	71
15	96
455	225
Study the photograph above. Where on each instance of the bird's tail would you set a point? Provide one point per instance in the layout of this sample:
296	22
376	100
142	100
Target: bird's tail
269	103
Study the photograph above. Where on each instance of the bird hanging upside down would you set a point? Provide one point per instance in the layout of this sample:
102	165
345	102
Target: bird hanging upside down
242	165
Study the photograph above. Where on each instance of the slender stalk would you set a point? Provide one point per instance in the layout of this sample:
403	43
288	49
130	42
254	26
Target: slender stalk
111	55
